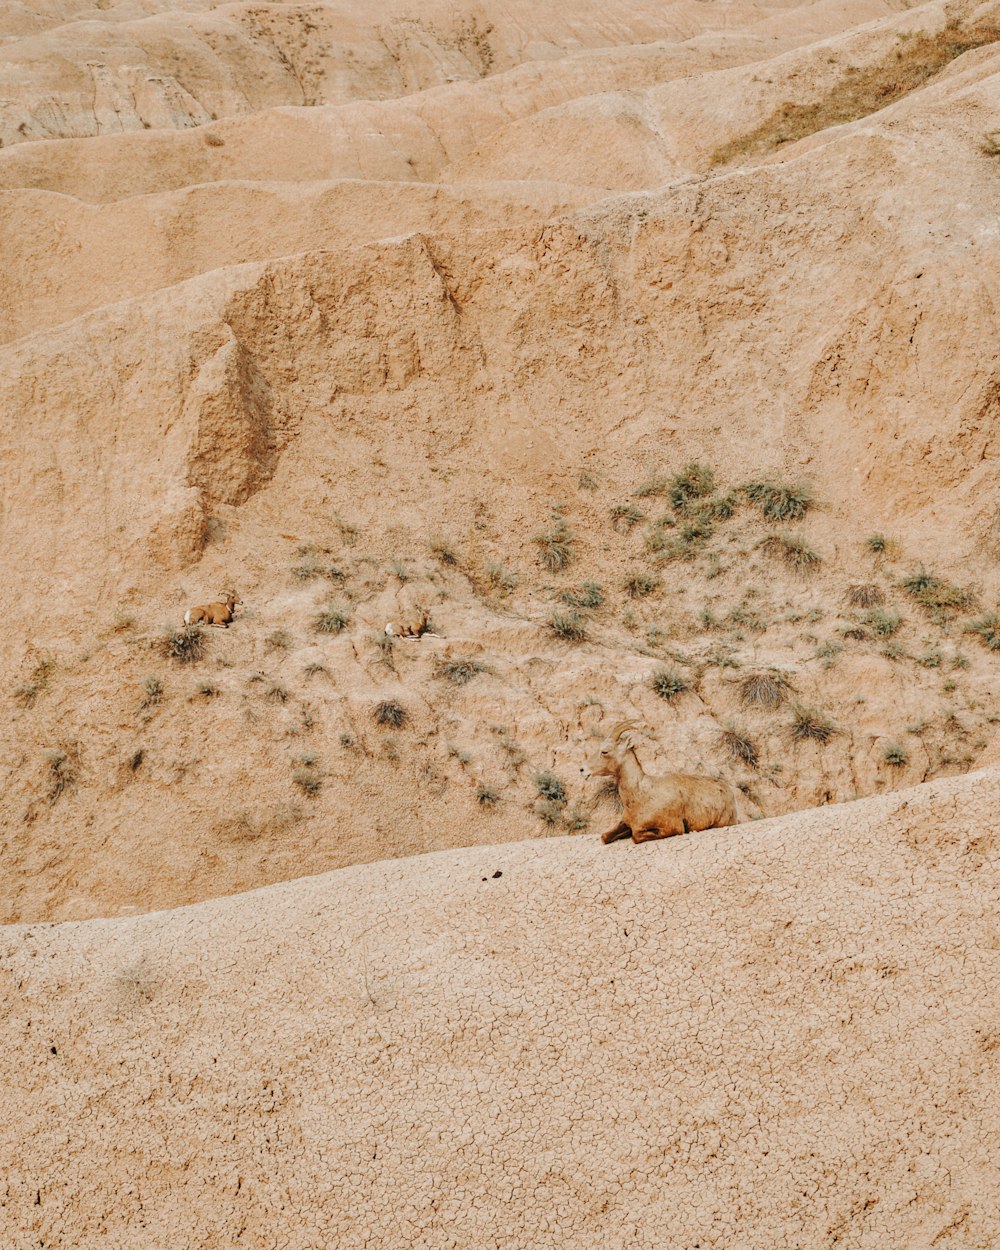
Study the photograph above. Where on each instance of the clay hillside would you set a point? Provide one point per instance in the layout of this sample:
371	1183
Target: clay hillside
643	356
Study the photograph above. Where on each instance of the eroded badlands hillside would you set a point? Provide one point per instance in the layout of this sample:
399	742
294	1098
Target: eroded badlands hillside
650	347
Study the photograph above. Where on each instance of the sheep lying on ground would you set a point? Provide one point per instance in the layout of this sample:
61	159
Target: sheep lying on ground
213	613
416	626
659	807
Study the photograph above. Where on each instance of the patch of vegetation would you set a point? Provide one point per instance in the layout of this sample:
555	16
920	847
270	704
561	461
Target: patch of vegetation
739	746
931	658
588	595
207	690
459	671
487	796
385	645
765	690
779	501
627	515
60	774
499	578
331	620
555	547
123	622
883	623
794	550
878	544
548	811
153	691
550	787
638	584
400	571
278	640
308	781
586	481
809	724
576	820
865	595
939	598
987	630
828	652
313	668
569	626
895	755
861	91
185	645
652	486
27	694
390	713
694	481
443	549
893	651
668	683
276	693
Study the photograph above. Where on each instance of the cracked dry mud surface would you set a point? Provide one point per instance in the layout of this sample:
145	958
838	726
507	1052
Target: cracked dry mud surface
783	1035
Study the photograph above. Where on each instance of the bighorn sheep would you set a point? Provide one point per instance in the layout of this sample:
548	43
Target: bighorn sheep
213	613
658	807
416	626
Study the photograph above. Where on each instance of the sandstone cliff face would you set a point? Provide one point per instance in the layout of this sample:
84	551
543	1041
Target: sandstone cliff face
783	1035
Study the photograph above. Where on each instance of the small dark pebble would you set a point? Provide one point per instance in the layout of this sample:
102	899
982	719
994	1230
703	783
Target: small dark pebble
498	873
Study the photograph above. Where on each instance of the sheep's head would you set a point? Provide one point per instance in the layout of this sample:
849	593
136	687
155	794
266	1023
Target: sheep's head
610	755
231	599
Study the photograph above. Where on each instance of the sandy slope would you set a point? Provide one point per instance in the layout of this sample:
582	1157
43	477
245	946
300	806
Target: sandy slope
784	1035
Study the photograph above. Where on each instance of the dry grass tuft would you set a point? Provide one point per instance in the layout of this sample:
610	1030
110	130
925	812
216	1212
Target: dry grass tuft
861	91
390	713
185	645
765	690
865	595
739	747
668	683
809	724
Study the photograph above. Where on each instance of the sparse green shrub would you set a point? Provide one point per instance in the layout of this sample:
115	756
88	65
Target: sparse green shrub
459	671
939	598
652	486
390	713
400	571
810	724
443	549
694	481
279	640
668	683
766	690
589	595
487	796
153	690
308	781
385	645
550	787
60	774
586	481
794	550
739	746
313	668
865	595
555	547
987	630
331	620
742	617
308	569
722	657
884	623
627	515
185	645
893	651
207	690
124	621
958	660
931	658
569	626
548	811
348	740
778	501
895	755
878	544
499	578
276	693
576	820
638	584
828	652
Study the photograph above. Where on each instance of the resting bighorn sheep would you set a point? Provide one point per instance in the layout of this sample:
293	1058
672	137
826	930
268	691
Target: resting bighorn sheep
658	807
213	613
415	626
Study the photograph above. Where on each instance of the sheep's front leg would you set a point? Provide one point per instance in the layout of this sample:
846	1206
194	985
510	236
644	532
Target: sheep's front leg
621	830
